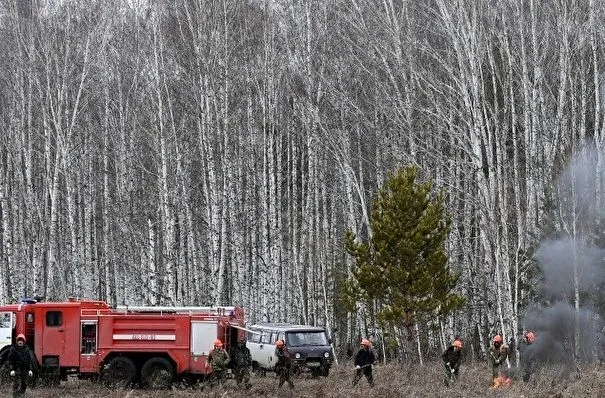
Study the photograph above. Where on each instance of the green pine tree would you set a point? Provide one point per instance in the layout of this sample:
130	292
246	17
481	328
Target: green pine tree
404	265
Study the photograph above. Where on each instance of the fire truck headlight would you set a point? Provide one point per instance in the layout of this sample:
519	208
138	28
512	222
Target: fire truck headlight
297	355
326	354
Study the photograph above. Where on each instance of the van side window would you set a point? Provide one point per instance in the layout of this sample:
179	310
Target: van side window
254	337
273	337
266	338
281	337
54	318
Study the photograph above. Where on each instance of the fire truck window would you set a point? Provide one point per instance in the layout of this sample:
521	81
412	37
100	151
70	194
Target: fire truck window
89	338
5	321
30	317
54	318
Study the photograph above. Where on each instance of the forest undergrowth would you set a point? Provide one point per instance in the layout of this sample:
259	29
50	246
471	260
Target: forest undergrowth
391	381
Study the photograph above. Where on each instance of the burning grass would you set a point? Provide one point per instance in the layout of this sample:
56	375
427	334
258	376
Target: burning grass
501	381
475	380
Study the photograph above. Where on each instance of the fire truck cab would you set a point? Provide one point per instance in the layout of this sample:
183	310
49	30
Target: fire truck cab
123	345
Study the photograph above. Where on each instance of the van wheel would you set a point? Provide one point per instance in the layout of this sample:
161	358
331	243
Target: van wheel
120	372
157	373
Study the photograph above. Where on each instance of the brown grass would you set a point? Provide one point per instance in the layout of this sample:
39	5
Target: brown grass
391	381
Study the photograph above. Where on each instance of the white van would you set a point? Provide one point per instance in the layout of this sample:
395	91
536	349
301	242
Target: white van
309	346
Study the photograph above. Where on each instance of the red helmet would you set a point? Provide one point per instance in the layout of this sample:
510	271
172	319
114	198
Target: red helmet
530	337
497	339
218	343
21	336
457	343
366	342
279	343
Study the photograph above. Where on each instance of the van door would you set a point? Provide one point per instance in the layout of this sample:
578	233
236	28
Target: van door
253	344
267	350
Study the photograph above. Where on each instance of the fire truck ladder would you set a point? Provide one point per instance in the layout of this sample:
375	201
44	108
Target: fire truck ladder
219	310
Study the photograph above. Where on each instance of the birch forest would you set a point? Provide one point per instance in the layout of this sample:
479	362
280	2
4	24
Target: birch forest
215	152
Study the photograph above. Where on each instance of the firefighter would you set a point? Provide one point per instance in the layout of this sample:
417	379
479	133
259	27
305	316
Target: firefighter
527	356
284	363
452	357
20	363
364	360
498	353
242	360
218	360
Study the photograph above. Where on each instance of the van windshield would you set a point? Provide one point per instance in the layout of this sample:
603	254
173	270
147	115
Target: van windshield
298	339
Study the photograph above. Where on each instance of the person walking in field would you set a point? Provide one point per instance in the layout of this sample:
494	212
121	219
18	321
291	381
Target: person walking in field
498	355
218	360
20	363
284	363
242	360
364	360
452	357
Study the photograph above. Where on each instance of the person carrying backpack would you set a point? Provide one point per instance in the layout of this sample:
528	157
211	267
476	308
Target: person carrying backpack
284	363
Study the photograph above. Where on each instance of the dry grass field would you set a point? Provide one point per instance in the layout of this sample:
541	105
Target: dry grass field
391	381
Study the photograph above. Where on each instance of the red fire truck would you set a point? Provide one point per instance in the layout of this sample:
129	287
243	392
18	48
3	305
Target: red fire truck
122	345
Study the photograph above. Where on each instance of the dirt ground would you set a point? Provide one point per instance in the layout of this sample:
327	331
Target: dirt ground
391	381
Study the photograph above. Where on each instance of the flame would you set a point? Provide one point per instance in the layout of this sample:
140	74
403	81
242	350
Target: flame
501	381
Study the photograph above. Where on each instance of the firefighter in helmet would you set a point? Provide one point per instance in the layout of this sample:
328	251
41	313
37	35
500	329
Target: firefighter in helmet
527	355
20	363
284	363
364	360
242	360
218	360
498	353
452	357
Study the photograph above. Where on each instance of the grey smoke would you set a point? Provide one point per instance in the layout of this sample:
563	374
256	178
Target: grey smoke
555	328
572	256
560	259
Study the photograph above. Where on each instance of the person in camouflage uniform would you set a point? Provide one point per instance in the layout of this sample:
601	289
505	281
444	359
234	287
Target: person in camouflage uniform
498	355
242	360
284	363
218	360
452	357
527	356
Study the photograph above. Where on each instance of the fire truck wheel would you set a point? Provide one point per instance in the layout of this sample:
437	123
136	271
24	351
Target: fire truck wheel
120	372
157	373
